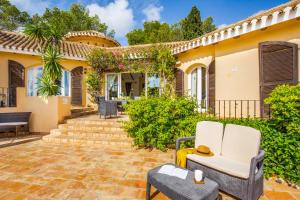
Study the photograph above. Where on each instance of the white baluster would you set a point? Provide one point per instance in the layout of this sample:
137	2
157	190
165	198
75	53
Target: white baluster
237	30
298	10
222	35
287	11
204	41
263	21
253	24
245	27
275	17
229	32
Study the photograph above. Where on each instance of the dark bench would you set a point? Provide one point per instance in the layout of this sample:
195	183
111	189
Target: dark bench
14	121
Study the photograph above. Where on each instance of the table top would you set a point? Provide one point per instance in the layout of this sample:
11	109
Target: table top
177	188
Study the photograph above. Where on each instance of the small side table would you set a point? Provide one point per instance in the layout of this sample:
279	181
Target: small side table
179	189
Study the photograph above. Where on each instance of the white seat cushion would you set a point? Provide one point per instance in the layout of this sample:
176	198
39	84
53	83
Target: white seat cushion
13	123
223	164
240	143
209	134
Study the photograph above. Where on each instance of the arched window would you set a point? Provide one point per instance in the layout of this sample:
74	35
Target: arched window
198	86
34	74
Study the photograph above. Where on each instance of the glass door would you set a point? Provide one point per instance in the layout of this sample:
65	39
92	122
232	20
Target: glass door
112	86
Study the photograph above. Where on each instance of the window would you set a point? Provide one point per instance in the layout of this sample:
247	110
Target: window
153	84
65	83
34	74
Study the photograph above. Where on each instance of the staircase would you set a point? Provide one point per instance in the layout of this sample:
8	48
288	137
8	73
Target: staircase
91	130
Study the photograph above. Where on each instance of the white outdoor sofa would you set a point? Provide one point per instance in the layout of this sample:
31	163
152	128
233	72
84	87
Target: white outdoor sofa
237	164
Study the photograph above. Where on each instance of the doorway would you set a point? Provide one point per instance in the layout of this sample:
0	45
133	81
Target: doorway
16	78
76	86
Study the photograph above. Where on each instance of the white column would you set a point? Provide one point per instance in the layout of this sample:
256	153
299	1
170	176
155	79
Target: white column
119	85
105	85
199	85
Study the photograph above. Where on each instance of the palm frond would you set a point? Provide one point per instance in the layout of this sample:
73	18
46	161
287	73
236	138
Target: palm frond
51	58
47	87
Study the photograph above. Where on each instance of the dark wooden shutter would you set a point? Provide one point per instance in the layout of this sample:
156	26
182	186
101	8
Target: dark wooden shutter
212	85
76	84
16	74
278	63
179	82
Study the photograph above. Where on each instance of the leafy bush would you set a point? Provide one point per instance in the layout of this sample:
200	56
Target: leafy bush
159	121
154	121
285	106
93	81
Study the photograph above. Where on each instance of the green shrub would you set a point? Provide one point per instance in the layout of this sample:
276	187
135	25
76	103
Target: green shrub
285	107
154	121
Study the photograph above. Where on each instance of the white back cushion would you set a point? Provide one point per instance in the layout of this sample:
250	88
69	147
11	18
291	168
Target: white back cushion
209	134
240	143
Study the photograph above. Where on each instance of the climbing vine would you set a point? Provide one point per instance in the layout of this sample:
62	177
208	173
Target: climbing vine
154	59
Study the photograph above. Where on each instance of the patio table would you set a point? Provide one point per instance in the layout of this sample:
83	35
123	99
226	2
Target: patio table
181	189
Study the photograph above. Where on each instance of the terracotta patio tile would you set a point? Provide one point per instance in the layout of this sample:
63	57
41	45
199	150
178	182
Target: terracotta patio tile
13	186
279	195
89	172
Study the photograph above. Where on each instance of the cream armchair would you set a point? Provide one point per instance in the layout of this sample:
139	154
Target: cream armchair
237	164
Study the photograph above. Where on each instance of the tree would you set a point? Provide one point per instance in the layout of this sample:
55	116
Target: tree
208	25
188	28
11	17
154	32
75	19
49	83
191	25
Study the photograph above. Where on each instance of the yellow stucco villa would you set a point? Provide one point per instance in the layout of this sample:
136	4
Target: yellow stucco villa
235	65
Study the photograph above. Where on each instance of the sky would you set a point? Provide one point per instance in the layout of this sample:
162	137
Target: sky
126	15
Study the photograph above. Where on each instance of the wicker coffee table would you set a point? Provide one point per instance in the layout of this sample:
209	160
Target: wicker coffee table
180	189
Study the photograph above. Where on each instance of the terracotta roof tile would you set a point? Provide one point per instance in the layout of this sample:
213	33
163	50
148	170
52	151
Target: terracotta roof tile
20	43
90	33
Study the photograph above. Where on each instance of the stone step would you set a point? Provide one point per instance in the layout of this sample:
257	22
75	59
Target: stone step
81	114
99	122
62	139
121	135
88	128
78	110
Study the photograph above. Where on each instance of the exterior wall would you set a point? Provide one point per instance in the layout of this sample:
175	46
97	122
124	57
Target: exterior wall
237	60
46	113
29	61
237	66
